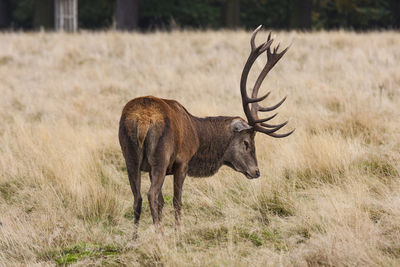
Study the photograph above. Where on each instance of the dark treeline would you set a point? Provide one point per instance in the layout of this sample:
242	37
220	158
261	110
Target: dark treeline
214	14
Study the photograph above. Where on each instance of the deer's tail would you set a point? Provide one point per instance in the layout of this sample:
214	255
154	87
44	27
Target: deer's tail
137	130
142	129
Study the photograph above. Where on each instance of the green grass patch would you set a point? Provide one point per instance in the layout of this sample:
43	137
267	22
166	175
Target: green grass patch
168	199
274	238
261	237
81	250
252	237
129	214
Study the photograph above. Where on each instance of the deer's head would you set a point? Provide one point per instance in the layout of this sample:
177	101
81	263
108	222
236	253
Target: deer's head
241	153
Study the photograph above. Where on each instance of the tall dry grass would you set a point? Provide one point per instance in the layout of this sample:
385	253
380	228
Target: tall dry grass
328	195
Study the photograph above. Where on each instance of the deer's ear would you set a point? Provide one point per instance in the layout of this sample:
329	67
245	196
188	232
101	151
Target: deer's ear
239	125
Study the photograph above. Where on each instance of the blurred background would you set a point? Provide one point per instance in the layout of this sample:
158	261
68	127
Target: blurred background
71	15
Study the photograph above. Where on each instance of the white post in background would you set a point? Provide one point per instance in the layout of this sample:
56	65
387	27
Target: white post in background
75	12
66	15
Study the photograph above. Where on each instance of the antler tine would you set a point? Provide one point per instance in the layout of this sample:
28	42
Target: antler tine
275	57
281	135
251	113
265	109
253	37
258	128
273	125
258	99
270	118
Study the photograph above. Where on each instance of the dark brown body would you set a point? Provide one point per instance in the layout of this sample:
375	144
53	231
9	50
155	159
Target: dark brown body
159	136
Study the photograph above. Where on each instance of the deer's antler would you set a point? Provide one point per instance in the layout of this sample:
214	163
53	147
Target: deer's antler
258	124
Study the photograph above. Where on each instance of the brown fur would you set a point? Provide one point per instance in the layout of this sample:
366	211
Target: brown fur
161	137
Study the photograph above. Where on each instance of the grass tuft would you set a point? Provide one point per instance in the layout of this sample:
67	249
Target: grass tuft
378	166
274	204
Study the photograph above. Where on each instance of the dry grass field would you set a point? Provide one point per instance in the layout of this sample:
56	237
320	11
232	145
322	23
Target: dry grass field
328	195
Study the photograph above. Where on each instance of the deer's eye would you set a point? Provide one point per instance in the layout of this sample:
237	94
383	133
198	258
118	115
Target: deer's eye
246	144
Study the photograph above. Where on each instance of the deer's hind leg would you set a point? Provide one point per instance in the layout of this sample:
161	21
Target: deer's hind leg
133	158
160	202
159	151
156	199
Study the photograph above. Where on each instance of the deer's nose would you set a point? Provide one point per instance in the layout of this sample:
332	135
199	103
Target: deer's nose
257	173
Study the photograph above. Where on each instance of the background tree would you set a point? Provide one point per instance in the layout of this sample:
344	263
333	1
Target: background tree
126	14
231	13
44	14
167	14
353	14
270	13
4	14
22	13
396	13
301	11
95	14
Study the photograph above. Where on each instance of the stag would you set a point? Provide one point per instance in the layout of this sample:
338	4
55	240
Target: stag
161	137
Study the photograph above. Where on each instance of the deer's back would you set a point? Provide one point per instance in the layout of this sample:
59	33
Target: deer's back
164	123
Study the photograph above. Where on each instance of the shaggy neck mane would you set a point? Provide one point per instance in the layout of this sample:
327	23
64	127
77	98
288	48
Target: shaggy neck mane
214	138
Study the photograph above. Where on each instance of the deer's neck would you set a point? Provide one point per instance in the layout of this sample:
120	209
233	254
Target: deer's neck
214	137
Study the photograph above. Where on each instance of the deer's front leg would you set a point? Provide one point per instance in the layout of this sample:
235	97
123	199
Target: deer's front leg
179	178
